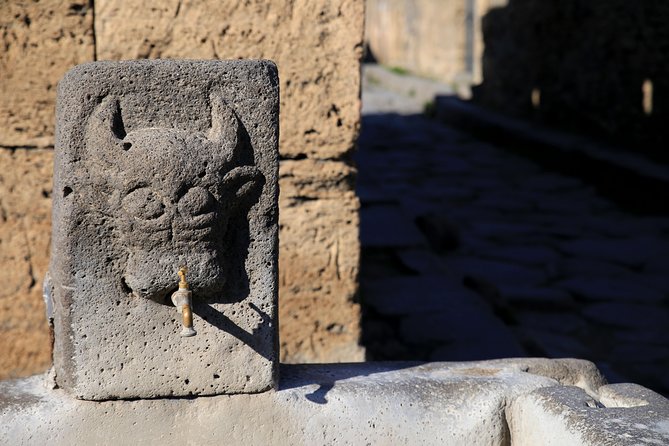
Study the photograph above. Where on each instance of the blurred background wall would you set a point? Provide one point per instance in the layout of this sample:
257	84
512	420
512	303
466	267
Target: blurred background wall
596	67
317	45
439	39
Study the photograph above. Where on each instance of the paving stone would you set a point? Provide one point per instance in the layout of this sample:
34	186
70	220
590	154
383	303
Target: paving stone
535	239
422	261
576	266
375	329
628	315
470	216
559	231
370	193
644	335
472	243
548	182
455	166
419	294
634	352
538	256
382	262
413	206
557	345
498	273
385	225
478	349
652	373
484	183
657	264
657	282
611	375
536	297
563	204
441	232
460	324
619	289
438	188
554	321
631	251
614	226
505	202
390	349
500	230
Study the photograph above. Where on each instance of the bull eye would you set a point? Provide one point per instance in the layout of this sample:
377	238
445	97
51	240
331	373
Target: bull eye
196	201
143	203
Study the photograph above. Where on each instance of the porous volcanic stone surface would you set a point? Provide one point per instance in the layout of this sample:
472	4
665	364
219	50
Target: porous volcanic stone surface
457	403
617	415
161	164
317	46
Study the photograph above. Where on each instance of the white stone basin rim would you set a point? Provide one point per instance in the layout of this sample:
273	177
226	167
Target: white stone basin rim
499	402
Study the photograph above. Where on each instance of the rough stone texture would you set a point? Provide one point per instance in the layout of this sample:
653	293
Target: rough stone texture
317	46
380	404
40	42
618	415
25	208
160	164
318	263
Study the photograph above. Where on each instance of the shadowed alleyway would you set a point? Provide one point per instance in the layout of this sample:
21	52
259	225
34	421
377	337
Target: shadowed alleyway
470	252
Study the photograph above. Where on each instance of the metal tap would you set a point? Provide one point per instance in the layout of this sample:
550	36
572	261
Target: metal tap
182	299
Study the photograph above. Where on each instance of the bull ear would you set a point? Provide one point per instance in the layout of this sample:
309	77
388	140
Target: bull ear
224	123
244	183
106	126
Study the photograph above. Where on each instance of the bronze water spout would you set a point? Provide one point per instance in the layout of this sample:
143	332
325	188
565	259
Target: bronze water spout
182	299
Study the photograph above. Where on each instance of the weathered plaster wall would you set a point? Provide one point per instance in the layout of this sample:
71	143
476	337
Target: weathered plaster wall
40	42
440	39
426	37
317	46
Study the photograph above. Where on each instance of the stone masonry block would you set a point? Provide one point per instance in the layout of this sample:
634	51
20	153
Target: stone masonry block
25	223
319	267
317	45
40	41
161	164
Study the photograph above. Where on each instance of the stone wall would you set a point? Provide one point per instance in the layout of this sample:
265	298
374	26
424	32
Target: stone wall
440	39
317	46
423	36
597	67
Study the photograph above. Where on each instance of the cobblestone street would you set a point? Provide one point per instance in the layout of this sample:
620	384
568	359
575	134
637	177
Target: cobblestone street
471	252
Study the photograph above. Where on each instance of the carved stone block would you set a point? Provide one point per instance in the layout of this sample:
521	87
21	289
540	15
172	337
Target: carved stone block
158	165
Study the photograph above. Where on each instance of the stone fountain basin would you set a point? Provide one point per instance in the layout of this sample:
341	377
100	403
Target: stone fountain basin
498	402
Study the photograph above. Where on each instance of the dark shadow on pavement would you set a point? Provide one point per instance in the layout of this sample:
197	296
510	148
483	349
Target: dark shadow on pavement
472	252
